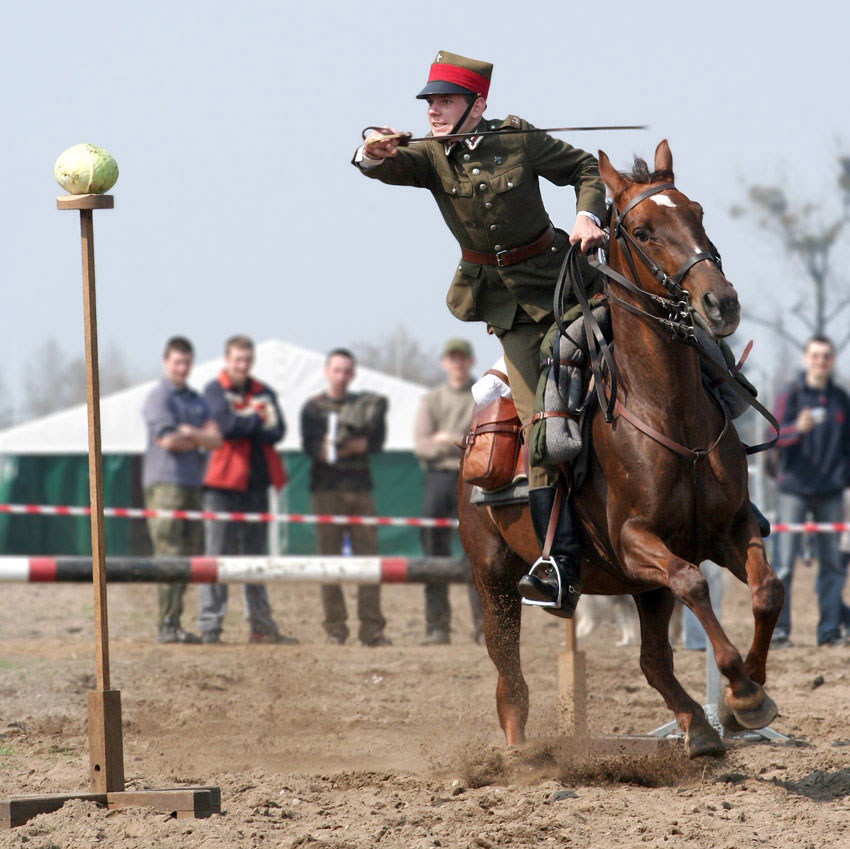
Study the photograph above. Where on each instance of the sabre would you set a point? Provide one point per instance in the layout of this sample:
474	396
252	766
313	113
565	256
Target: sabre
405	139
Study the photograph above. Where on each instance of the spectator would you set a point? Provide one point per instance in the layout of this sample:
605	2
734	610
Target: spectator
339	430
812	471
442	420
178	427
238	478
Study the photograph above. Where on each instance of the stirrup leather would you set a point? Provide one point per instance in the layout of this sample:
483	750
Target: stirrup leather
539	563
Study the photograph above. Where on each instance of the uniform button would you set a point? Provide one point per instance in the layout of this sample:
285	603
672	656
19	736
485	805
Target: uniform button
488	205
482	186
466	157
497	247
476	171
492	226
494	126
510	184
553	249
454	190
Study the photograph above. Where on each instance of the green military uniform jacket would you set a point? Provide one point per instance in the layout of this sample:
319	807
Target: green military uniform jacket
489	195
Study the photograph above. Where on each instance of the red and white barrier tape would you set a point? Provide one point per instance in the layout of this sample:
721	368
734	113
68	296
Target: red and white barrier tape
323	519
220	516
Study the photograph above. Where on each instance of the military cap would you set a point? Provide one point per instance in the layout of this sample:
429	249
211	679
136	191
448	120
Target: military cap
454	74
457	345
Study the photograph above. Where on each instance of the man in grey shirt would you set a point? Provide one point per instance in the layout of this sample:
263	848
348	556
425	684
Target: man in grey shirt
179	427
442	420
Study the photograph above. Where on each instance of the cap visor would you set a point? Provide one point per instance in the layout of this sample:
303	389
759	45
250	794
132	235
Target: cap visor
439	87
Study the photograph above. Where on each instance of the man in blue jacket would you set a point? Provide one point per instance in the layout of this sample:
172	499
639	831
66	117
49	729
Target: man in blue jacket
813	470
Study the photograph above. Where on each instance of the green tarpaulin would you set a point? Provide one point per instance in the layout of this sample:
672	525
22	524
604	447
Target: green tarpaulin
63	480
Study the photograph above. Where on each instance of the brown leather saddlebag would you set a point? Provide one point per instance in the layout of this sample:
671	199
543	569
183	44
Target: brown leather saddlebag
492	445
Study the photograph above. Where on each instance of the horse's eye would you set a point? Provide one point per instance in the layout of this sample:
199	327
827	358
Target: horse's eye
641	235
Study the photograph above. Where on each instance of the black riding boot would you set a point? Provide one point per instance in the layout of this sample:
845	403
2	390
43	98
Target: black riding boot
566	553
764	524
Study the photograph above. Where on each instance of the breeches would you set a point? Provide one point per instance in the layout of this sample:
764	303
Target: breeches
521	345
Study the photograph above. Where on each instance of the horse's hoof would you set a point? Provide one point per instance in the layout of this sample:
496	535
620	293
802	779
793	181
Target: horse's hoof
755	712
704	741
727	719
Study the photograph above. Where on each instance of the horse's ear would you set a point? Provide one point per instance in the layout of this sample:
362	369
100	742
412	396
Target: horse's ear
663	157
610	175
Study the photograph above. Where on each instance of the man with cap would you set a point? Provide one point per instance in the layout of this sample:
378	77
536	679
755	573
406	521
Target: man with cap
487	189
441	421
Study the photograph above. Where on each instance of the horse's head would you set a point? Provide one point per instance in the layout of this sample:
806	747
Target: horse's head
667	227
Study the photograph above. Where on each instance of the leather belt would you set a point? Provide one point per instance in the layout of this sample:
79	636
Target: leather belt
513	255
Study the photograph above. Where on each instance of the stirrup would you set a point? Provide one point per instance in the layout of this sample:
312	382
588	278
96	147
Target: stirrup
546	561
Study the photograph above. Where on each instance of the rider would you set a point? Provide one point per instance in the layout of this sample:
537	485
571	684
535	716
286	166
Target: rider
487	189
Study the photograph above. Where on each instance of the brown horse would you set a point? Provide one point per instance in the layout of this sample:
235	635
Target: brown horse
648	514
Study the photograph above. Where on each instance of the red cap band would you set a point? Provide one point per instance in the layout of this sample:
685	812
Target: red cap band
445	73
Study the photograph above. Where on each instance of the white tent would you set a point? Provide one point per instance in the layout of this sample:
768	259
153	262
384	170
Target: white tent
296	374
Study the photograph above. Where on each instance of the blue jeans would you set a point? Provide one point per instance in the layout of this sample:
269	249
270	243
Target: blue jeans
831	571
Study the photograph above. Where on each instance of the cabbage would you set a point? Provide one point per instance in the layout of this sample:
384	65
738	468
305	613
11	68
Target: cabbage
86	168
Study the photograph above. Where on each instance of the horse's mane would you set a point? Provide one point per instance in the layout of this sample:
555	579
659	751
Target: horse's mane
640	173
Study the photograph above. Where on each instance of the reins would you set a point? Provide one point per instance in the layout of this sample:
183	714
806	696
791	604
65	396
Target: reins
678	323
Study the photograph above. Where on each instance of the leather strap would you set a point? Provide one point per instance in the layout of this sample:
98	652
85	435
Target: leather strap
513	255
500	374
553	520
550	414
491	427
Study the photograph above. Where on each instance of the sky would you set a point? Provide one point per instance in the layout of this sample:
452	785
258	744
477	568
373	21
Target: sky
237	209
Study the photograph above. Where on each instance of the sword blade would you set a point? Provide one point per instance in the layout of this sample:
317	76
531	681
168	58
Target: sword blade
407	138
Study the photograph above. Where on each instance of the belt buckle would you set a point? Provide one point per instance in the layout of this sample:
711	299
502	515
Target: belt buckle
499	255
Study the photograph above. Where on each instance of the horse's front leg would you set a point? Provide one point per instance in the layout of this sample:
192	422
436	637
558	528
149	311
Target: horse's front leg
656	662
645	557
742	553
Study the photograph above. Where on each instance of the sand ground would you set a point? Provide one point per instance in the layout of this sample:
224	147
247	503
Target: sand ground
329	746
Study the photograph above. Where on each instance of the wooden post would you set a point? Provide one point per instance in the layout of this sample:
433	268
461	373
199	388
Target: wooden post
106	747
572	686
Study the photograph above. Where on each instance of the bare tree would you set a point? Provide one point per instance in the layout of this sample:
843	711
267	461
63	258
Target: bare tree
7	409
812	242
53	382
400	355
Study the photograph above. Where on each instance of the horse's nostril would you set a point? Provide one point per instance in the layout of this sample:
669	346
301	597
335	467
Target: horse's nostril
710	301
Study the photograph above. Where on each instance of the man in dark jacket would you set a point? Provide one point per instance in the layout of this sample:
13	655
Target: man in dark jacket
339	430
238	478
813	470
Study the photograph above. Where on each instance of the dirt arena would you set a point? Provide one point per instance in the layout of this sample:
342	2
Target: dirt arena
344	747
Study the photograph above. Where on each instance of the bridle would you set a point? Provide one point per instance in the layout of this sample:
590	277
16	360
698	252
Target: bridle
677	305
678	321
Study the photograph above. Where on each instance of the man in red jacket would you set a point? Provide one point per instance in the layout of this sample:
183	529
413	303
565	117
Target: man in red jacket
238	477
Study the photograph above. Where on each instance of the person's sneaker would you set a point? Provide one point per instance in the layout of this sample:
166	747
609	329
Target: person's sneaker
377	642
781	642
209	638
436	637
834	640
276	639
337	639
175	634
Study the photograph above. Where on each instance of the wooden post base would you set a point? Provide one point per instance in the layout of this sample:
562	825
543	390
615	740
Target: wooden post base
106	744
181	802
